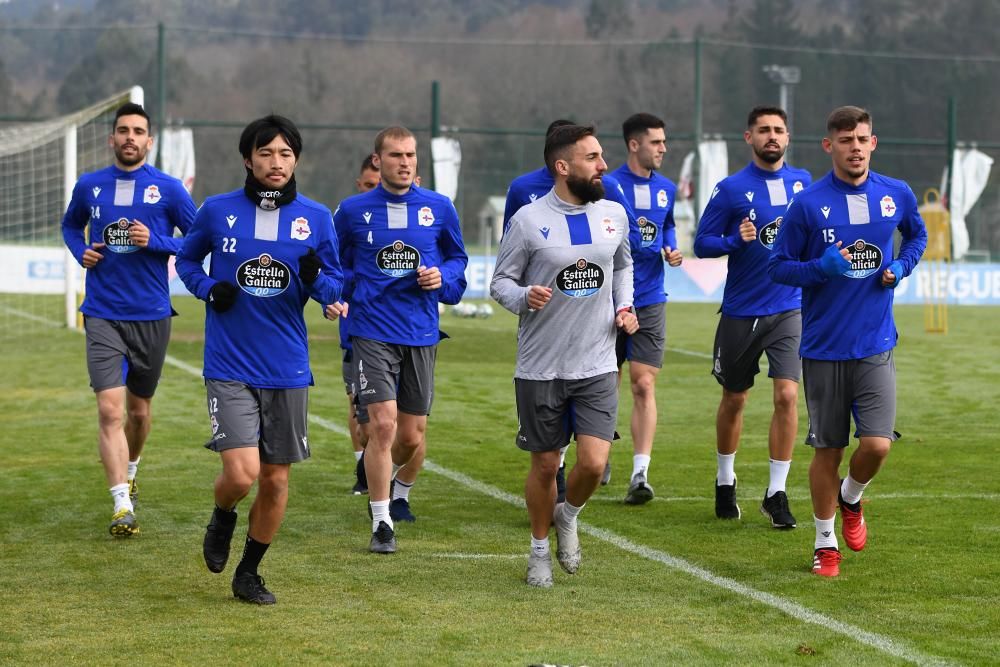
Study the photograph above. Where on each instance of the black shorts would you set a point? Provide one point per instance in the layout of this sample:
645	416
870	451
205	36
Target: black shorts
740	342
387	371
548	411
647	344
274	420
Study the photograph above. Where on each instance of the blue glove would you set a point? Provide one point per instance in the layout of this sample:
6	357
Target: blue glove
832	262
896	269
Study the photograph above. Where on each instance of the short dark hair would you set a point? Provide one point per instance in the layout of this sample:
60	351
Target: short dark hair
640	123
559	122
391	132
132	109
847	118
368	164
757	112
262	131
562	137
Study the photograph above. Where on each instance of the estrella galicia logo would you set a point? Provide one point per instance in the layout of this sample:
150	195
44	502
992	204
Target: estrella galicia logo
769	232
648	231
263	276
580	279
116	237
866	259
398	259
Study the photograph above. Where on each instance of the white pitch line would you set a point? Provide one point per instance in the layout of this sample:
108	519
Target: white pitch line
30	316
793	609
482	556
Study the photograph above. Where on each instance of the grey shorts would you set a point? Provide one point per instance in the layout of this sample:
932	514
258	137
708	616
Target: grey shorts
548	411
387	371
347	372
124	352
740	342
273	420
647	344
837	390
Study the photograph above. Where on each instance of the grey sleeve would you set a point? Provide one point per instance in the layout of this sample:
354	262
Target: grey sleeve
622	281
506	287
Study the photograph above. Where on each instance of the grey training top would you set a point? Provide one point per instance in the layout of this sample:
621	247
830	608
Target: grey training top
582	253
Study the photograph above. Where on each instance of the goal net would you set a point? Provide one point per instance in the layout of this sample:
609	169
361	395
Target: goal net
40	163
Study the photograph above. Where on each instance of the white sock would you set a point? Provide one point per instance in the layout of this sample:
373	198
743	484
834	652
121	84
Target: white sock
826	536
380	512
640	463
357	455
851	490
562	456
401	490
725	476
571	512
119	493
133	467
540	547
779	474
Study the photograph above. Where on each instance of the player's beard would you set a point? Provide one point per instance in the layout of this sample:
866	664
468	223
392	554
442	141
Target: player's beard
130	161
585	189
770	155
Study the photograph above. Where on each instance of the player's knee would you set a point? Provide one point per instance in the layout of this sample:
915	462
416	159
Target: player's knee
786	399
877	447
733	402
644	387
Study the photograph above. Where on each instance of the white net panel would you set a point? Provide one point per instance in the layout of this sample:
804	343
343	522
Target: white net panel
39	164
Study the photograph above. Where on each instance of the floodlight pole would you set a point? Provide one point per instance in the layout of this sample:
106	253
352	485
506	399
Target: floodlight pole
785	76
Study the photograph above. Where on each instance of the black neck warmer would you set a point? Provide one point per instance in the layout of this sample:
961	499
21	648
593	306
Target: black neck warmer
269	199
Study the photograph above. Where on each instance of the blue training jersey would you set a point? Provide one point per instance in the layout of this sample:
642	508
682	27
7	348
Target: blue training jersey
762	196
261	341
526	188
650	230
387	237
848	316
130	283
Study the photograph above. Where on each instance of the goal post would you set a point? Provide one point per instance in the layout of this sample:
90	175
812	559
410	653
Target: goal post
40	163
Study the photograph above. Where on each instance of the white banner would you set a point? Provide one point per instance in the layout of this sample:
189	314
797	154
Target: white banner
970	170
177	144
447	156
713	166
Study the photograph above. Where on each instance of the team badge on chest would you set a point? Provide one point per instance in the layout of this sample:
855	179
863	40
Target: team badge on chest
425	216
661	199
888	206
151	194
300	229
608	229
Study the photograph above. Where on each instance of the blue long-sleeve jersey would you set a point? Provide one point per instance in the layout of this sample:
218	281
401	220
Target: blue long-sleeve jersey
651	229
848	316
526	188
763	197
261	341
387	237
130	283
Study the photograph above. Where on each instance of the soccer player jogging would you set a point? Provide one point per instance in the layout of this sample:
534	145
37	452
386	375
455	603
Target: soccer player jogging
522	191
836	243
367	179
653	240
758	316
132	210
271	250
405	249
565	268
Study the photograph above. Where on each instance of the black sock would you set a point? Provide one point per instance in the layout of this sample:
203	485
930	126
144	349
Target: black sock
253	552
225	517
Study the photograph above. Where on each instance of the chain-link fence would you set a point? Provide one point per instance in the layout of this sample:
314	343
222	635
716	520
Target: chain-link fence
496	98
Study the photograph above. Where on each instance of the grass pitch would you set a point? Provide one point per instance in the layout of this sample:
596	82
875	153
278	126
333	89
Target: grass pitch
665	583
